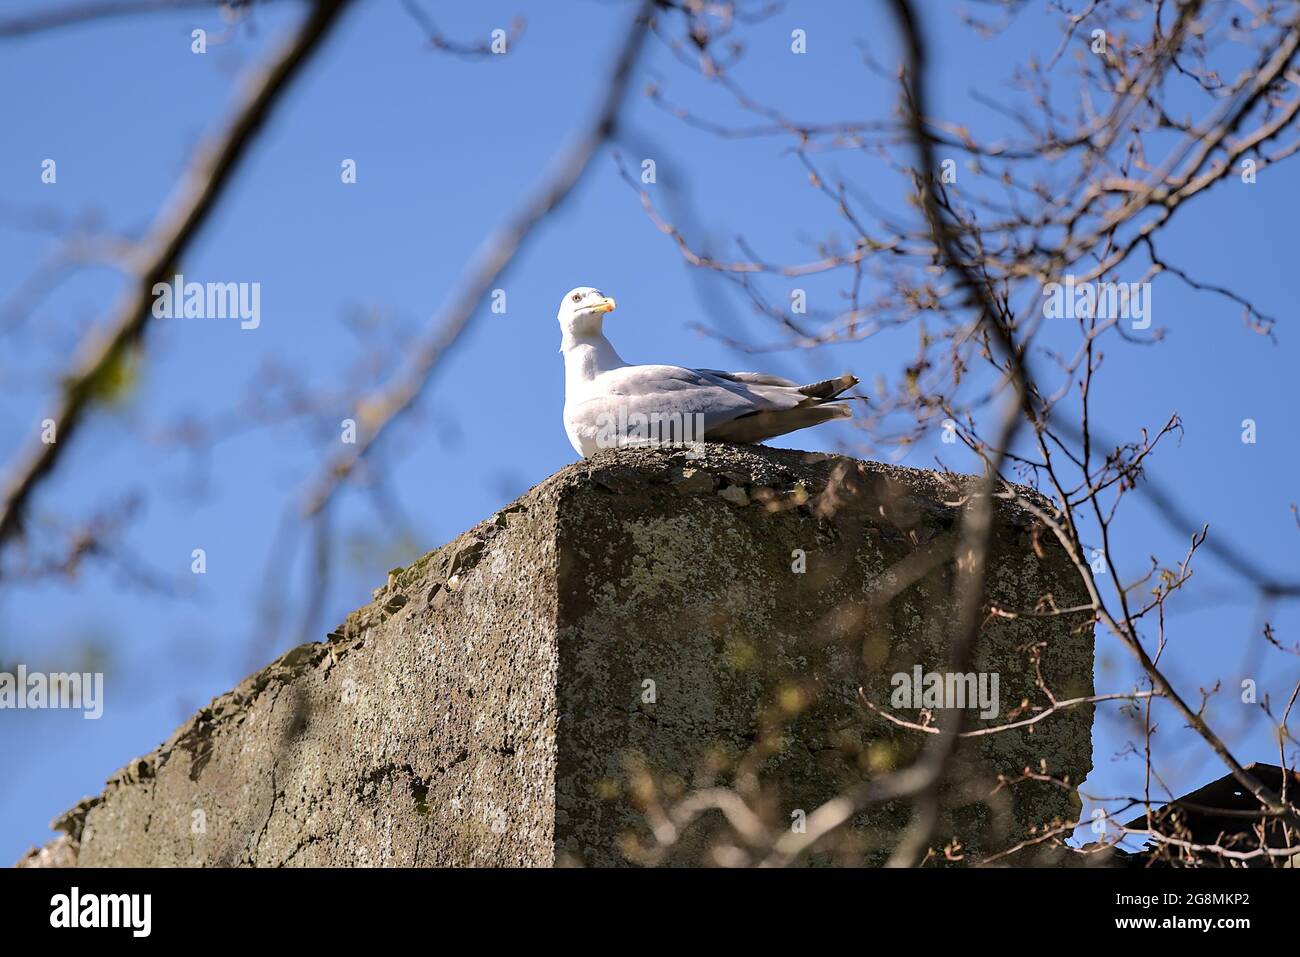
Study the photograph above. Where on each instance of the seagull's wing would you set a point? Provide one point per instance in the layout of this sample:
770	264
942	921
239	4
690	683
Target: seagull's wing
669	390
736	407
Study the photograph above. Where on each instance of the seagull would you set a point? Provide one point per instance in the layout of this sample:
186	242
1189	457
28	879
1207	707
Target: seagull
608	403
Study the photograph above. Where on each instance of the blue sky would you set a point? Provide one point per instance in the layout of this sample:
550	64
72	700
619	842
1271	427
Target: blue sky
444	148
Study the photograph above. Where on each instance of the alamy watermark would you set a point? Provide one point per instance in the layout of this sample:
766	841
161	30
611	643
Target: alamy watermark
1100	300
934	689
75	909
179	299
663	429
83	691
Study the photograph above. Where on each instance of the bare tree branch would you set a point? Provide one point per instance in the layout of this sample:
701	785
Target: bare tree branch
196	196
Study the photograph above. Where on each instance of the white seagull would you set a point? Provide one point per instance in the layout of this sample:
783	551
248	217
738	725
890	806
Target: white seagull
610	403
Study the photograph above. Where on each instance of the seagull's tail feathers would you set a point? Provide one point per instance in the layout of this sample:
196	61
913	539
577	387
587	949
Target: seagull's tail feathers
800	407
829	388
758	426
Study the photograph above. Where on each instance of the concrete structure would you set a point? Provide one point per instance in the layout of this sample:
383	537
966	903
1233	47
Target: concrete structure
632	627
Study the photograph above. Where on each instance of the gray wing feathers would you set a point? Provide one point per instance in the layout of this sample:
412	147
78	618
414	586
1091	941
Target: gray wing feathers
737	406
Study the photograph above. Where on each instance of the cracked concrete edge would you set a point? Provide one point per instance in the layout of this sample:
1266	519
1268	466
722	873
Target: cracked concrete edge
194	735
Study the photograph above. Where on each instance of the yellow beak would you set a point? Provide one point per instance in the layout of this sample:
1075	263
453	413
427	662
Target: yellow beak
606	305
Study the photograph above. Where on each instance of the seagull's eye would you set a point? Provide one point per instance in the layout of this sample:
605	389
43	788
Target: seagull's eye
577	297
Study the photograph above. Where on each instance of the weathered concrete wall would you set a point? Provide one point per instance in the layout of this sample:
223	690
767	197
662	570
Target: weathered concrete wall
492	704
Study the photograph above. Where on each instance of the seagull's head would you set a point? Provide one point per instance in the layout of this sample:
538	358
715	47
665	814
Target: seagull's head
582	310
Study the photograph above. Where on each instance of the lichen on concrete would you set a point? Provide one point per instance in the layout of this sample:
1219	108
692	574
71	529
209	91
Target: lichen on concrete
629	629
